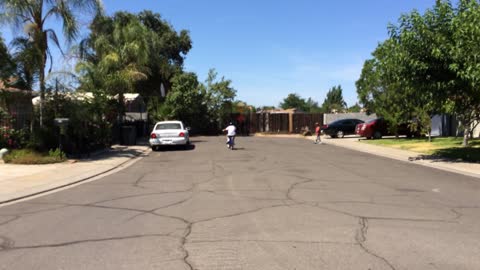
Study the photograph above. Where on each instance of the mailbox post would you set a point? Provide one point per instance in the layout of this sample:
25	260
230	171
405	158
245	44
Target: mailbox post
62	124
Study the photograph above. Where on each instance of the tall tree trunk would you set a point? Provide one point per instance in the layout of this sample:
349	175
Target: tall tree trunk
121	107
42	75
429	131
466	133
42	93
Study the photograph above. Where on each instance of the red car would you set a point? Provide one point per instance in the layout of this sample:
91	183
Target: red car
377	128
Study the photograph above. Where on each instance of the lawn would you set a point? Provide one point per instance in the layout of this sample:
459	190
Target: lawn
28	156
446	147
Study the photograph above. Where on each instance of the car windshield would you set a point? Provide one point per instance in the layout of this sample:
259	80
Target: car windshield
373	120
168	126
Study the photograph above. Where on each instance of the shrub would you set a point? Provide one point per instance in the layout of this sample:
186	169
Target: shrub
86	131
57	153
29	156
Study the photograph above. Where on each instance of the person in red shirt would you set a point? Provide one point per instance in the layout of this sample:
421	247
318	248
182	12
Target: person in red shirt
318	133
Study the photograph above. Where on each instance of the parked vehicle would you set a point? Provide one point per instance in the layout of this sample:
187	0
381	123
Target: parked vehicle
340	128
378	127
169	133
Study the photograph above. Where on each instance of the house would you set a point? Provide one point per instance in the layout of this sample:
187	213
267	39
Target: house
18	106
135	107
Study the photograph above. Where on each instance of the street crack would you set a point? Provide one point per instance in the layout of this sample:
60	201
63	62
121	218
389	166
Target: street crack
361	238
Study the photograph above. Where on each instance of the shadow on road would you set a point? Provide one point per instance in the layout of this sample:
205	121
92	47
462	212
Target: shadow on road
175	148
114	152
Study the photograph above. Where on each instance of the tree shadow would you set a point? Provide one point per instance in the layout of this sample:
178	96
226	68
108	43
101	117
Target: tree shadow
118	151
174	148
452	155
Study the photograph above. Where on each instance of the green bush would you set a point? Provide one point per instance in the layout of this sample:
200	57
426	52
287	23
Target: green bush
57	153
88	128
29	156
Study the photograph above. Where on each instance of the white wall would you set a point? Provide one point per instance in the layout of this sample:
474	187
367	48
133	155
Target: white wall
330	117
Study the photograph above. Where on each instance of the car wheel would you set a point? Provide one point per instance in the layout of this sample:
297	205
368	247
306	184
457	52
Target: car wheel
340	134
377	135
368	138
154	148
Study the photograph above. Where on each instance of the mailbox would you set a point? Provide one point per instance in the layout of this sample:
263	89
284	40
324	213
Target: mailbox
62	123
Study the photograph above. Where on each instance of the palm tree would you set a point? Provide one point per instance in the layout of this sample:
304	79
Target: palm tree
120	56
33	16
7	65
26	57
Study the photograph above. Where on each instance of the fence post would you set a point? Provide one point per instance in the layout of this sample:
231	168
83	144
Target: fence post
290	122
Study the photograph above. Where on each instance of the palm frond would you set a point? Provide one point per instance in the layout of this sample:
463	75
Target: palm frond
53	37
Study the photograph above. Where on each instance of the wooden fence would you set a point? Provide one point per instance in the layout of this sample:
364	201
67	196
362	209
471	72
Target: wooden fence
284	122
302	120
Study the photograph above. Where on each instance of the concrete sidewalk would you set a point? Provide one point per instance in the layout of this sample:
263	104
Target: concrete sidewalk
21	181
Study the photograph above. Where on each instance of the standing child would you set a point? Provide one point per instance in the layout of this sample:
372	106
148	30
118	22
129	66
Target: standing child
318	140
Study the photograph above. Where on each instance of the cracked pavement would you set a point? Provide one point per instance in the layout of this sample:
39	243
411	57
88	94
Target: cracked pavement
274	203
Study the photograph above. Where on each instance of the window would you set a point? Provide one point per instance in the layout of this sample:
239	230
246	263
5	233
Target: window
168	126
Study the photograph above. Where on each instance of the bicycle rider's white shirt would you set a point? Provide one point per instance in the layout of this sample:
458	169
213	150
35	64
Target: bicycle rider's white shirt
231	130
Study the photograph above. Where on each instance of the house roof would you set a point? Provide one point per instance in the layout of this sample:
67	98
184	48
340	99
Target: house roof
129	96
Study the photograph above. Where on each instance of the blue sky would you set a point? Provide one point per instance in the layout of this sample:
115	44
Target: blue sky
272	48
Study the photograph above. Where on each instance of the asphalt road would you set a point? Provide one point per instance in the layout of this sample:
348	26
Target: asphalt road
272	204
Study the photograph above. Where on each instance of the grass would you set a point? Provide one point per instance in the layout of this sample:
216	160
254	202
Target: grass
28	156
446	147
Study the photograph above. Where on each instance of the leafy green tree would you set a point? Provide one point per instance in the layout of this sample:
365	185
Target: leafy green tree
240	106
167	52
368	85
120	57
27	58
7	66
465	97
380	89
312	106
438	60
356	108
151	53
423	57
185	101
294	100
219	97
33	16
334	100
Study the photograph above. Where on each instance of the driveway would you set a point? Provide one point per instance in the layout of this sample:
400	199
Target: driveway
274	203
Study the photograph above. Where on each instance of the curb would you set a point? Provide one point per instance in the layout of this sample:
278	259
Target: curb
130	160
